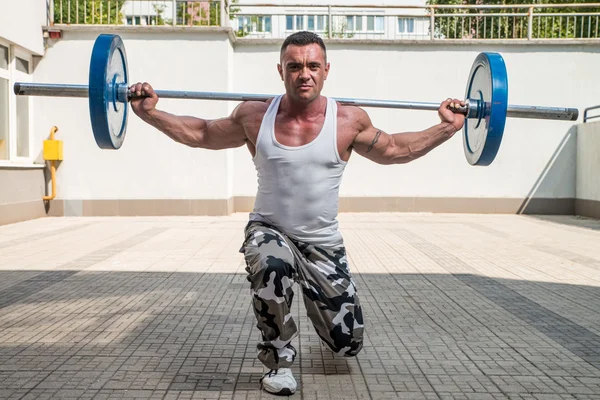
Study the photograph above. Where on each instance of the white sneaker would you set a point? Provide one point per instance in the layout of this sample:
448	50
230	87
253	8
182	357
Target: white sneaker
279	381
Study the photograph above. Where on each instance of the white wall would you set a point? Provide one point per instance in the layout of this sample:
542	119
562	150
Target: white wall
588	161
21	23
432	73
537	157
149	164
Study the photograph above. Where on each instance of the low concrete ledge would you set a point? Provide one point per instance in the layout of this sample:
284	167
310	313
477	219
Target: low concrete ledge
195	30
215	207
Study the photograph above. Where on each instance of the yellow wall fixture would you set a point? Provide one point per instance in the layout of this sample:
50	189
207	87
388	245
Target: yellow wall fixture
53	151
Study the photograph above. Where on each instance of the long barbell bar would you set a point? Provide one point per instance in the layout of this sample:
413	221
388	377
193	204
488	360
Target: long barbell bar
513	111
486	100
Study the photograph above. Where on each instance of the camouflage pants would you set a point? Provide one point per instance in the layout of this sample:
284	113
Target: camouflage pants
274	262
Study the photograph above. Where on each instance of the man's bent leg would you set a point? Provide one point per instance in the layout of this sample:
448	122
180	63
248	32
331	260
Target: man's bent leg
271	271
330	297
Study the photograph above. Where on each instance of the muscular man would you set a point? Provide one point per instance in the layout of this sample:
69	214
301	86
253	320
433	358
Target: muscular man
300	143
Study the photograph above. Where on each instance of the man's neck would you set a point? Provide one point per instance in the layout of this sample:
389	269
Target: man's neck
303	110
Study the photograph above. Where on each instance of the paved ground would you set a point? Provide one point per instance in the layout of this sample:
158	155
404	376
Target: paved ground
456	307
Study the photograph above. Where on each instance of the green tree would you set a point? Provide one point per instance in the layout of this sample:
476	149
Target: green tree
339	29
194	13
88	11
159	9
490	23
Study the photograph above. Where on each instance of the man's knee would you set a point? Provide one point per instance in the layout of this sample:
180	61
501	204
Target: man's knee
270	268
267	252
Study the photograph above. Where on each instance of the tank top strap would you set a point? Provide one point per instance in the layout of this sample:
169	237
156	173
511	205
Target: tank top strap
268	121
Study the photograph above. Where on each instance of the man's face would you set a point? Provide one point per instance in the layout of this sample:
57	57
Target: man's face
303	70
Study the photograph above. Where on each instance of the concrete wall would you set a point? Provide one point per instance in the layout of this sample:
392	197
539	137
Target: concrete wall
535	168
21	23
588	170
22	186
21	194
533	173
149	165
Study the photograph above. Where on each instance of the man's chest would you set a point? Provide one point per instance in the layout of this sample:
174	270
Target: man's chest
293	133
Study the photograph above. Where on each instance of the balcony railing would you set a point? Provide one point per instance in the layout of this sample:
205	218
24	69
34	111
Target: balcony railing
542	21
433	22
137	12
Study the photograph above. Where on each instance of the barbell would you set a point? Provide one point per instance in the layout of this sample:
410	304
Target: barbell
486	100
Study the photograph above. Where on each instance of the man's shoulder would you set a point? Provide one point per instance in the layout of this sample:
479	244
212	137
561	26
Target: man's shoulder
351	113
255	105
251	109
349	109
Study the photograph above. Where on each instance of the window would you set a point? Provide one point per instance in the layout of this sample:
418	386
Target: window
267	24
406	25
4	127
4	99
314	23
136	20
15	113
3	57
22	126
22	65
359	23
350	22
322	22
370	23
254	24
294	22
311	22
379	24
362	23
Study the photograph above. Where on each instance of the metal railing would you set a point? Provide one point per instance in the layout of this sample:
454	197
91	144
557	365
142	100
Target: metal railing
138	12
480	22
586	117
432	22
541	21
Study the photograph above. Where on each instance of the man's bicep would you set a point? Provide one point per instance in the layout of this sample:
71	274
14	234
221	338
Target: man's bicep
374	144
224	133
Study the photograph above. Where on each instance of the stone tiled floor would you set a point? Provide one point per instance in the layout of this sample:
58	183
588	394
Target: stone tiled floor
456	307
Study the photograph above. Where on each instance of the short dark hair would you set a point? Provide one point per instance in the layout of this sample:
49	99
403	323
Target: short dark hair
303	38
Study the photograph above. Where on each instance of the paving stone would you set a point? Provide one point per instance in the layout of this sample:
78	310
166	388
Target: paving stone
456	307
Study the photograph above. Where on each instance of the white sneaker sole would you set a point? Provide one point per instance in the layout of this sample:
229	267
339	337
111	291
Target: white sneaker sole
282	392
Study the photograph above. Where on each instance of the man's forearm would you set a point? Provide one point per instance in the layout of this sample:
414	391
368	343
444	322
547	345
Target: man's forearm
182	129
416	144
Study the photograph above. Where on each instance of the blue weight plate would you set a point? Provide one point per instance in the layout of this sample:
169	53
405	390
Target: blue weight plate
488	83
108	68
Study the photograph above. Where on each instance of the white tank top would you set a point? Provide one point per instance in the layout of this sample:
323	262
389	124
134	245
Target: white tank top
298	186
